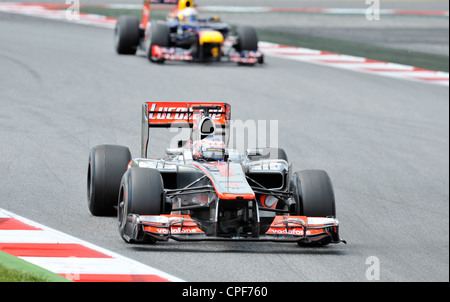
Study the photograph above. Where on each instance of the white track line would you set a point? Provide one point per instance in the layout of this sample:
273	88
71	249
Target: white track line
117	264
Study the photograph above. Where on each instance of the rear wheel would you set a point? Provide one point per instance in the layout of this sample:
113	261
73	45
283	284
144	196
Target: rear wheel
127	35
141	193
107	164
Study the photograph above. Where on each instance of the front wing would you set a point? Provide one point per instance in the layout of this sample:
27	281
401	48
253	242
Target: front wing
180	54
299	229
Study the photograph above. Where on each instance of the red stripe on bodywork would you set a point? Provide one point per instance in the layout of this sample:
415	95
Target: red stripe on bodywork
50	250
14	224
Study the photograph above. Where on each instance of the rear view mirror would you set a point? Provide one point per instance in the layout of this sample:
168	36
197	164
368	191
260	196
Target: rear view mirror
254	152
174	151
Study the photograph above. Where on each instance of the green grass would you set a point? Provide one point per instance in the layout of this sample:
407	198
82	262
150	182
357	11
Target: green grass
13	269
10	275
417	59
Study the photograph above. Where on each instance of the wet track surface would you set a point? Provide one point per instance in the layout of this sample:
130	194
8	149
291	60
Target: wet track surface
383	141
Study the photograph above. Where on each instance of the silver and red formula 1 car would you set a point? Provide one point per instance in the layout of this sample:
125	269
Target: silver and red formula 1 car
203	190
183	36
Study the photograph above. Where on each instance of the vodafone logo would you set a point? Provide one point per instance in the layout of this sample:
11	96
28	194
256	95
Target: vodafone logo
289	232
180	230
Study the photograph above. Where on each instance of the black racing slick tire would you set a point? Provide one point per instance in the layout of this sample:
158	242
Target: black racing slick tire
141	193
247	38
159	36
314	194
127	35
107	164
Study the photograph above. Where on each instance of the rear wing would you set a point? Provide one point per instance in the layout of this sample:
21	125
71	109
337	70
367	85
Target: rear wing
164	1
146	9
179	6
180	115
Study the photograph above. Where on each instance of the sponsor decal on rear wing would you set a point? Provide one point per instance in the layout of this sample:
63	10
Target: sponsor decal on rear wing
169	114
180	114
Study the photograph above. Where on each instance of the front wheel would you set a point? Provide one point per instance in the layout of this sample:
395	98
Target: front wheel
141	193
247	38
159	36
314	194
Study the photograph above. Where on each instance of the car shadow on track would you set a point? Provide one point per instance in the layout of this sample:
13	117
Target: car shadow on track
201	64
239	247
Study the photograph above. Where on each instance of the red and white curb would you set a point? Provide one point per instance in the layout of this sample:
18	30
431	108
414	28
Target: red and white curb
329	59
70	257
57	12
354	63
331	11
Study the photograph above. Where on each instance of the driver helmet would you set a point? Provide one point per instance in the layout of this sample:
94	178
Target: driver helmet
210	149
188	14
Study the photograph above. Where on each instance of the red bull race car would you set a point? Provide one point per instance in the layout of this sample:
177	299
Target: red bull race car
203	190
184	36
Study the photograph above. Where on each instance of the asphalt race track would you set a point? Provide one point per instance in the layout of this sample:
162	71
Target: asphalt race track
383	141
